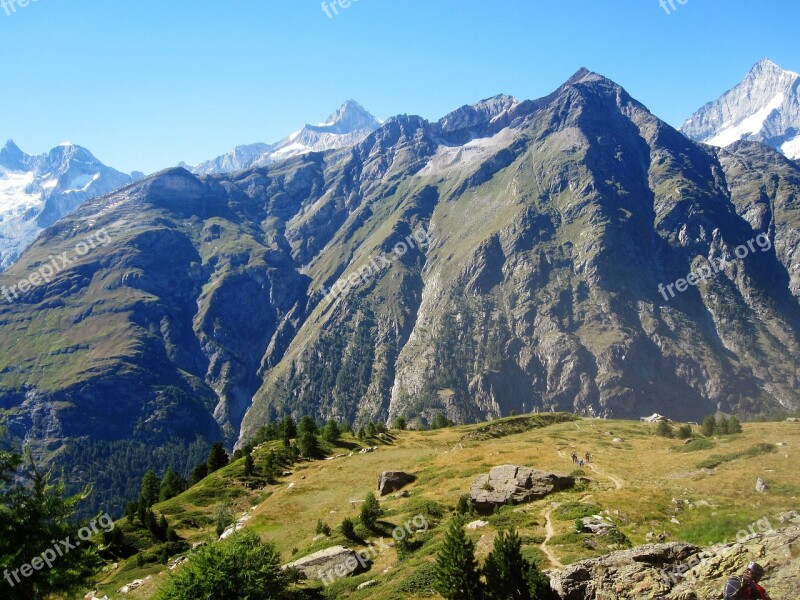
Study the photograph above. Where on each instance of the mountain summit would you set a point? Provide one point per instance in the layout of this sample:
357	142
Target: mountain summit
347	126
507	257
36	191
765	107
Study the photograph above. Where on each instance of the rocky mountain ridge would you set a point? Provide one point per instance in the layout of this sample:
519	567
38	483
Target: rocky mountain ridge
552	224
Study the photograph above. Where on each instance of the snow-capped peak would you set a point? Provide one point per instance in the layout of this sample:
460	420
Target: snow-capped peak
764	107
347	126
36	191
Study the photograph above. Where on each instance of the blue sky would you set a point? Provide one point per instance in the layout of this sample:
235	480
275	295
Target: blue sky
146	84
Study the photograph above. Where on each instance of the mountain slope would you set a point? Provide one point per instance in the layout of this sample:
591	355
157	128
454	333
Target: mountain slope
516	249
765	108
36	191
347	126
553	227
647	486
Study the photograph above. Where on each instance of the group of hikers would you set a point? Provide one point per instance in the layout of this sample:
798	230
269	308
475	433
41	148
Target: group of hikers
587	458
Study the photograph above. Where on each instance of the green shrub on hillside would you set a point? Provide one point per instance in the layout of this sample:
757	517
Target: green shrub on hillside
575	510
697	444
663	429
241	567
716	460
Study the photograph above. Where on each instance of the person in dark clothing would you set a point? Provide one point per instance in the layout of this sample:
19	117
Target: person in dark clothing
746	586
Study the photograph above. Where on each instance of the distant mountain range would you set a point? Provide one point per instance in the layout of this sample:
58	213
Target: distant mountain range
765	108
550	226
347	126
36	191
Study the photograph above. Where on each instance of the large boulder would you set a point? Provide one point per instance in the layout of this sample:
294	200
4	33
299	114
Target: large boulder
622	575
512	484
391	481
329	564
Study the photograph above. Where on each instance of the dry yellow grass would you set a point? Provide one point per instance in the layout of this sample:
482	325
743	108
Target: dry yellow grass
637	477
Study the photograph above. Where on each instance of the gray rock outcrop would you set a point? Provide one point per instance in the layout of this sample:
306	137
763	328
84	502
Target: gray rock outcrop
391	481
680	571
513	484
333	562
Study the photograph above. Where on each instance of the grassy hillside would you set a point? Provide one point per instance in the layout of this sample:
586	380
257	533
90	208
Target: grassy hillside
635	479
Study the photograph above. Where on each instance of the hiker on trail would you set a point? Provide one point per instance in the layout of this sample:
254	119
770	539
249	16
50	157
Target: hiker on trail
580	463
588	458
574	457
746	586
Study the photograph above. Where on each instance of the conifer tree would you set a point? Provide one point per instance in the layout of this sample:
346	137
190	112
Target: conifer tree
734	426
217	458
249	465
172	484
506	570
150	489
371	511
456	575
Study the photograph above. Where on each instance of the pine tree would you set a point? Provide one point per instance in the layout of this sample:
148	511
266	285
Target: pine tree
539	584
734	426
287	428
200	472
371	511
150	489
506	570
308	444
457	576
348	529
34	511
722	426
709	426
249	465
172	484
307	425
217	458
271	467
331	433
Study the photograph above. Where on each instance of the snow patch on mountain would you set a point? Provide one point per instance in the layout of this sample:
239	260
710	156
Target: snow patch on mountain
469	155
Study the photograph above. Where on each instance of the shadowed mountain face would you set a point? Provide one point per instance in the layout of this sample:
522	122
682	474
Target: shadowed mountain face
515	252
